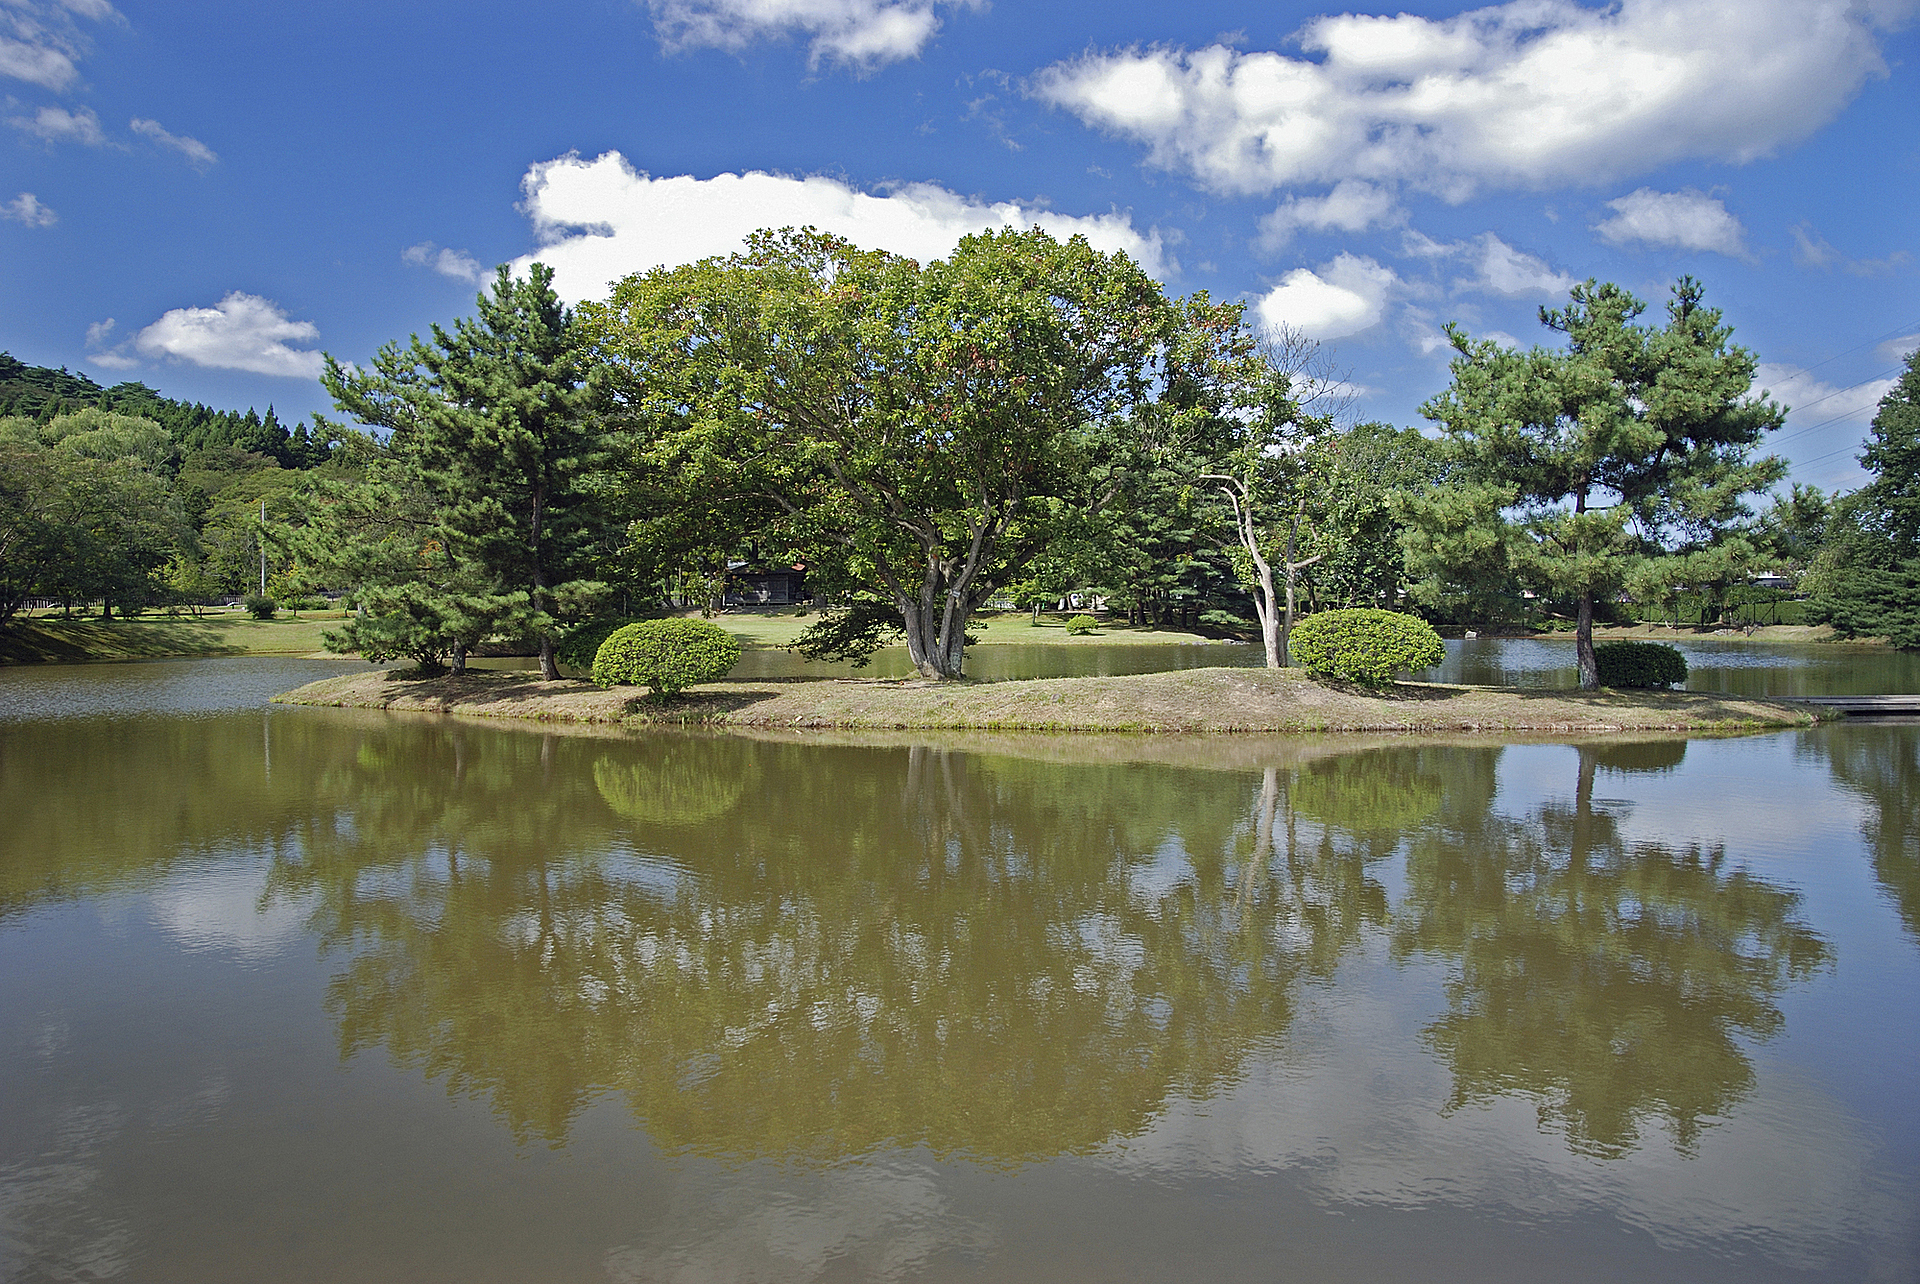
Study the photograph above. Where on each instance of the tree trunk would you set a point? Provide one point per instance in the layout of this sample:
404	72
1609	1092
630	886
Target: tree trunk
931	659
1264	607
1583	645
1273	631
549	669
1583	626
1292	572
458	664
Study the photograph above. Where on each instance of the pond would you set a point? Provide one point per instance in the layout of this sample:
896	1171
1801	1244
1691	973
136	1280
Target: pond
1733	665
300	994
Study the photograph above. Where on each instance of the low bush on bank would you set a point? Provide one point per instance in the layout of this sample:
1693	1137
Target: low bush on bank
260	608
1639	664
581	645
1081	625
1364	645
666	656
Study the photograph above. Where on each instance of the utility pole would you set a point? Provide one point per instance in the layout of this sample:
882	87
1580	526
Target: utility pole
261	539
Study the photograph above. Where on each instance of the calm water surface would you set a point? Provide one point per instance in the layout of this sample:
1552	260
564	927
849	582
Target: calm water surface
1714	664
327	995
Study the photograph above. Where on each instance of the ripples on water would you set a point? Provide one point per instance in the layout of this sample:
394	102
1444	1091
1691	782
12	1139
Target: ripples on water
311	994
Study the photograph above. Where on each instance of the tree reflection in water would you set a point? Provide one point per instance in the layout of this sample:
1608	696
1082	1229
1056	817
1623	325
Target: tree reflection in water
1882	768
813	951
1610	981
785	950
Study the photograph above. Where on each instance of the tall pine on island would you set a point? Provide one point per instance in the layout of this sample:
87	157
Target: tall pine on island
497	424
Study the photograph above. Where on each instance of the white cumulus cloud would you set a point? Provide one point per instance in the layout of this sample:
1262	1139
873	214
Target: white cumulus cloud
1810	400
1899	349
1683	220
26	208
58	125
1518	95
458	264
1812	250
1352	206
41	43
198	154
1344	297
601	220
241	332
1515	273
862	34
1498	268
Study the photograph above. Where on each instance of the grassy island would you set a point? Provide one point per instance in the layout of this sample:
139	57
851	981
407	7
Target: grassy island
1191	700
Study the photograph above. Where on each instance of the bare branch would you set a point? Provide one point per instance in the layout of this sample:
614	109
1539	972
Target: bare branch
1318	385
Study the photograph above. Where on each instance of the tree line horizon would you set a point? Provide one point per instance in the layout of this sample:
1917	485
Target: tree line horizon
1023	419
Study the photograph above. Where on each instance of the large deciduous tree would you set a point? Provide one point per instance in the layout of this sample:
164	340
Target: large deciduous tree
918	434
1624	455
87	511
495	428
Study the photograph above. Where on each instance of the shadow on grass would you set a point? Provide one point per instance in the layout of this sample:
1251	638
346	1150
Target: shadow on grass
68	641
1400	692
501	692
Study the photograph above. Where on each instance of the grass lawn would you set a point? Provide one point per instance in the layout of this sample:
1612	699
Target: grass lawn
50	638
1191	700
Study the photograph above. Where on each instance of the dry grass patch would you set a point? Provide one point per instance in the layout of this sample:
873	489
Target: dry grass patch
481	693
1192	700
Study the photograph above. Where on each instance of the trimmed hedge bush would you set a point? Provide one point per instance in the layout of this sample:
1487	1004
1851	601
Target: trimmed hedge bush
1081	624
1364	645
260	608
665	655
1639	664
581	645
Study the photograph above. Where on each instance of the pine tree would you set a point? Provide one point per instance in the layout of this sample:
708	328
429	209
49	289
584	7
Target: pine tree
1866	581
498	422
1624	456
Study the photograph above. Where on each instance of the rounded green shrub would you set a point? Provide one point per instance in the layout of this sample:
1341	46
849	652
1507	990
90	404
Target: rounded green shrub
1080	625
581	644
1364	645
260	608
1639	664
665	655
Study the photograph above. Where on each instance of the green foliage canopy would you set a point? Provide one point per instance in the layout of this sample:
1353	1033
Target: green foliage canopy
1624	456
918	435
1865	581
496	424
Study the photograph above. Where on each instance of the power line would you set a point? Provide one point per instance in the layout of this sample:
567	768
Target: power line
1840	392
1825	423
1844	450
1894	333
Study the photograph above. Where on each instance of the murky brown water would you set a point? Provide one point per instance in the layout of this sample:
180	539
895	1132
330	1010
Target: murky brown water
315	995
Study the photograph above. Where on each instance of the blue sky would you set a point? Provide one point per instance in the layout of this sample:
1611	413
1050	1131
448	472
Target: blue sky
204	196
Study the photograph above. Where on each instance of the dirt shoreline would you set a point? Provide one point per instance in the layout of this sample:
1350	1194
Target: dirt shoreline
1183	701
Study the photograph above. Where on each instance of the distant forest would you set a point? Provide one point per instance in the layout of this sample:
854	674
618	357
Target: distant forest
41	394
